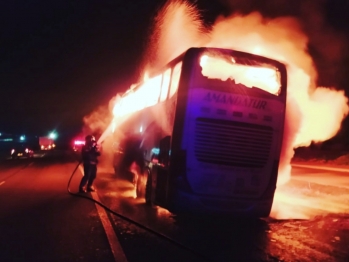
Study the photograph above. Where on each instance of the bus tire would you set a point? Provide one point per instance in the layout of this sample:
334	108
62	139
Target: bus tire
148	189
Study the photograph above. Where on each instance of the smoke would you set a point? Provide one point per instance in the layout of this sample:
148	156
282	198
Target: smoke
97	121
177	26
327	45
98	124
312	113
293	32
291	128
322	115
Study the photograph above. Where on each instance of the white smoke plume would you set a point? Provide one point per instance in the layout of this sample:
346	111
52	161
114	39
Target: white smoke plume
176	27
97	123
293	32
313	113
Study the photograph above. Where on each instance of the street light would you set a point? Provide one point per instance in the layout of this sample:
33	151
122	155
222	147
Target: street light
53	135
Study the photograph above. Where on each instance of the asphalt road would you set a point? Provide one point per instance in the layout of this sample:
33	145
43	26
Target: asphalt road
41	221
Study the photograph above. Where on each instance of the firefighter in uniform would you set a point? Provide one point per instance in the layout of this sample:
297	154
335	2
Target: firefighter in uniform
89	154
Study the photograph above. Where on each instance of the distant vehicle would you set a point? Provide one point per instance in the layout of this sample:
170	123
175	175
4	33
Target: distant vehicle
78	144
46	143
21	151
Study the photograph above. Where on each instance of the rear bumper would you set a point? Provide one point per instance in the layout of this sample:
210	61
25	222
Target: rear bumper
189	203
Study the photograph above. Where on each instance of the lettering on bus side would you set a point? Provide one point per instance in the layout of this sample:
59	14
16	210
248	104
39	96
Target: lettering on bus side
235	100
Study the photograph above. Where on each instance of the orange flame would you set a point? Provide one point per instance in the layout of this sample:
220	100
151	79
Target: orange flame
264	78
313	113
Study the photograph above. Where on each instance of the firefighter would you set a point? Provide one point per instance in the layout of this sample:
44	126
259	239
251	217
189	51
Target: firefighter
89	154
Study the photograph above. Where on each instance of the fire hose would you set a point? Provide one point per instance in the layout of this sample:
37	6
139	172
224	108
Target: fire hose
172	241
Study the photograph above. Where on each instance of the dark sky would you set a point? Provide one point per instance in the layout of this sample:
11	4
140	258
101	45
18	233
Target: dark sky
59	60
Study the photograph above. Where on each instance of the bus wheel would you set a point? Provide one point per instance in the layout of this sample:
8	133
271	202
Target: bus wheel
141	184
148	189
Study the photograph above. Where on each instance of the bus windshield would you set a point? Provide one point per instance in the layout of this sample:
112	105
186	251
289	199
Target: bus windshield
247	72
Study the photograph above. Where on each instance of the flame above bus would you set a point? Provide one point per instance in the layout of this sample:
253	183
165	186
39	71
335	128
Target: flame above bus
264	78
313	113
149	92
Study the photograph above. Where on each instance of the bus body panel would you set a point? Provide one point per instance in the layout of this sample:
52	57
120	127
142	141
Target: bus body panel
215	187
209	149
225	158
185	201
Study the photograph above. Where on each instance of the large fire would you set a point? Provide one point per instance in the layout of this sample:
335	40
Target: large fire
313	113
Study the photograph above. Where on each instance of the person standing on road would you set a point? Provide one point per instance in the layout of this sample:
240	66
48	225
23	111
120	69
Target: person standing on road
89	154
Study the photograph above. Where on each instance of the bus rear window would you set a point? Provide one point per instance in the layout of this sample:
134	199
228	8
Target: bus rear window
265	77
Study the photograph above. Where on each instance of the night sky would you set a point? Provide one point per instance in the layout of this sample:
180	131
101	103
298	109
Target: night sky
60	60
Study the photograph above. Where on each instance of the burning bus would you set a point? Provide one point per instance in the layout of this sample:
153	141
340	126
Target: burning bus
205	133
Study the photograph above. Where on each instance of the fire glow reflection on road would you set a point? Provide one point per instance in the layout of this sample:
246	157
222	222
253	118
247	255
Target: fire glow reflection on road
306	202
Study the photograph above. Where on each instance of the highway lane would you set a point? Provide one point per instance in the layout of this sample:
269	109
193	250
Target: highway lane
213	238
10	168
313	190
40	221
312	212
322	174
299	205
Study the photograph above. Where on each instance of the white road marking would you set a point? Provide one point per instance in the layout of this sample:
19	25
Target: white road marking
3	182
322	167
115	246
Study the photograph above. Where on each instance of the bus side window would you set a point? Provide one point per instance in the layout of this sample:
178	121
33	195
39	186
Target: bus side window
175	78
165	84
164	154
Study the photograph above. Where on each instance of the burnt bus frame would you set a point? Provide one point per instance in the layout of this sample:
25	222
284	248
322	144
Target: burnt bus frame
169	174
